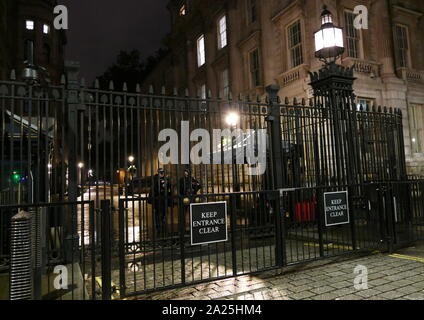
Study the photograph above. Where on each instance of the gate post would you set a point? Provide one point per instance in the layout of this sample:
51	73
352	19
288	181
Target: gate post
71	235
390	216
277	162
122	266
106	250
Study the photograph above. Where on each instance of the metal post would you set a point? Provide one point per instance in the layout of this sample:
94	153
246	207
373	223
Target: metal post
182	231
334	85
21	260
38	248
122	266
106	250
233	206
71	239
277	163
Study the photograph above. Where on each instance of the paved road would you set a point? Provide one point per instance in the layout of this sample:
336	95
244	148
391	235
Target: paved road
398	276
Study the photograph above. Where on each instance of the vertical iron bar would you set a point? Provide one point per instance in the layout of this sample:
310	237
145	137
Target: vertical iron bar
106	250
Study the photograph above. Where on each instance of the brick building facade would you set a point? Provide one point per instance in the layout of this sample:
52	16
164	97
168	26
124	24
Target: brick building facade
23	21
242	46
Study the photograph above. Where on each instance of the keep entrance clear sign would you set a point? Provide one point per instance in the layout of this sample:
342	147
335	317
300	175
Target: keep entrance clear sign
208	223
336	208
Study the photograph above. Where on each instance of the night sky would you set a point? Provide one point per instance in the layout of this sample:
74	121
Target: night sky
99	29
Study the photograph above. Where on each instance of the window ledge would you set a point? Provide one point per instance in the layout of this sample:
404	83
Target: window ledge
410	75
363	66
298	73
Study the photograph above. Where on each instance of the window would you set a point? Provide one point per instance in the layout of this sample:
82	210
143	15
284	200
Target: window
201	57
364	102
183	10
46	53
255	71
29	51
295	44
201	91
252	10
402	46
46	29
29	24
353	36
416	123
224	83
222	32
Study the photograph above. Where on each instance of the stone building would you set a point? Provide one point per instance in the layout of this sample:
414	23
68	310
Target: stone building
29	23
242	46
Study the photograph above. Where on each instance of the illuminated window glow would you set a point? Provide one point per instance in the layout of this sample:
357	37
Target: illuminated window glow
29	24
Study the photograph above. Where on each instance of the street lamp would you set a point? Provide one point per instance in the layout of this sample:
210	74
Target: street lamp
132	168
81	165
333	91
328	39
232	119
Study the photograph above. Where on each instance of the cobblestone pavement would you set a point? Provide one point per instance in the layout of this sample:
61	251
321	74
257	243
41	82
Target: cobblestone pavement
397	276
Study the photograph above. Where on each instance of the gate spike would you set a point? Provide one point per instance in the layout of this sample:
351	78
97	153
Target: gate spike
258	99
96	84
111	85
391	110
311	102
124	87
209	94
286	101
175	91
162	90
186	92
82	82
138	88
62	79
151	91
385	109
230	96
367	108
249	98
240	97
303	102
295	101
361	107
13	74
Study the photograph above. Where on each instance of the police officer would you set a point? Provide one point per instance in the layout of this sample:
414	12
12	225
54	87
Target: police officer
189	186
159	198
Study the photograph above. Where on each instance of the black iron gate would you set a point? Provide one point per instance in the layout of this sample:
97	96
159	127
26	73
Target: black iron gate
69	144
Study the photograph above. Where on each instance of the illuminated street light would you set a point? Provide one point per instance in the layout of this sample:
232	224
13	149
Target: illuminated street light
329	39
81	165
131	159
232	119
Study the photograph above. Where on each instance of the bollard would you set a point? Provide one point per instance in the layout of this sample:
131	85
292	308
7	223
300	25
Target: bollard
21	256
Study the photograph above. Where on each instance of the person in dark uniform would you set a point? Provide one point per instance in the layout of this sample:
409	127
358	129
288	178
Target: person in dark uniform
189	187
159	198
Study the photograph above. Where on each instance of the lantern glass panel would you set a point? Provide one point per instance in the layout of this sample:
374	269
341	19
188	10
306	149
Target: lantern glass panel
319	40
